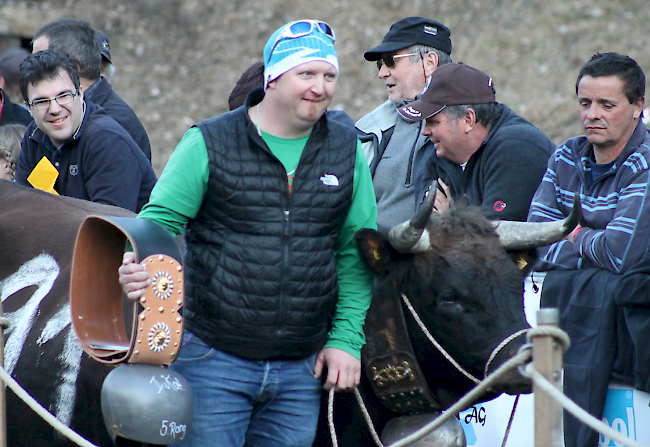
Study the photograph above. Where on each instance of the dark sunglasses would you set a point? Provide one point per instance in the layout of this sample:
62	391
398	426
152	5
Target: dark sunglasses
389	59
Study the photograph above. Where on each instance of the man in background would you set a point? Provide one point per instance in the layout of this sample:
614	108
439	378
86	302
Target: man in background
79	40
501	155
598	275
108	69
10	111
410	52
73	148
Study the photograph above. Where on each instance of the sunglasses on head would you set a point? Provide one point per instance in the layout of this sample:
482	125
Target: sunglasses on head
304	28
389	59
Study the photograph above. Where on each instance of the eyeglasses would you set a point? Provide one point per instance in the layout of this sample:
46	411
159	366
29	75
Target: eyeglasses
304	28
389	59
62	99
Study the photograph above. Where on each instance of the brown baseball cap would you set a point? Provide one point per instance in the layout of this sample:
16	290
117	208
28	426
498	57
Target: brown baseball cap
451	85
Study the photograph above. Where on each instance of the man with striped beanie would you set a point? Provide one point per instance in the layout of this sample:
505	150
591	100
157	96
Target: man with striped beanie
270	196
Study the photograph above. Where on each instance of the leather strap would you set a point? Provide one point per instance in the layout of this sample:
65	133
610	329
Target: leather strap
389	360
97	304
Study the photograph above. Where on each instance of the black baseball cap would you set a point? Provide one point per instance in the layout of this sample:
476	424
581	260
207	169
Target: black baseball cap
412	31
451	85
105	45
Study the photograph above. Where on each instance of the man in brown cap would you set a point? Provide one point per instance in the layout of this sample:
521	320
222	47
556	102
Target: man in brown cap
502	156
410	52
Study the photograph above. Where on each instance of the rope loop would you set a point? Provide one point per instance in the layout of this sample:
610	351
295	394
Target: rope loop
544	331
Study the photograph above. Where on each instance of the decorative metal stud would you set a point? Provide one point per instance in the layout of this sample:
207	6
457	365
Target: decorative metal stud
159	337
163	284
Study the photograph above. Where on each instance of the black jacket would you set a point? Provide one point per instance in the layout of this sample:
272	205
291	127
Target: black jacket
102	94
100	163
13	113
260	267
502	175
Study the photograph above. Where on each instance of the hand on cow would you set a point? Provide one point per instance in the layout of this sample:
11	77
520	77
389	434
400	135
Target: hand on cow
443	198
133	277
343	369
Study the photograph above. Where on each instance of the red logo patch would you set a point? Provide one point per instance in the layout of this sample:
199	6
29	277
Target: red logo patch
499	206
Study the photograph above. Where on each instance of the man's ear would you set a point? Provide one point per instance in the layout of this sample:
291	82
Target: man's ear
638	107
469	120
431	62
2	82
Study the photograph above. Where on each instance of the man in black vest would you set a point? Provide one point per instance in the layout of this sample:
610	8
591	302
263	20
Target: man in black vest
270	196
79	40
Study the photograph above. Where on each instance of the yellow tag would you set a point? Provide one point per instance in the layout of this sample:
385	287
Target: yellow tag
44	176
377	255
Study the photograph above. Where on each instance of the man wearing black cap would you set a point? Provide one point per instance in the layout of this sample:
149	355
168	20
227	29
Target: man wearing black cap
412	49
108	69
11	113
502	156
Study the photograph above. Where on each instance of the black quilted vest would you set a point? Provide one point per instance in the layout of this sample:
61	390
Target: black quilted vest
260	268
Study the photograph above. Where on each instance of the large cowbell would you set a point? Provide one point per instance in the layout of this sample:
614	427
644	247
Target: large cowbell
148	404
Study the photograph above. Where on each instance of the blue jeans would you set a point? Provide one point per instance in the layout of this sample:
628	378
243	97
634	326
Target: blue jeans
249	402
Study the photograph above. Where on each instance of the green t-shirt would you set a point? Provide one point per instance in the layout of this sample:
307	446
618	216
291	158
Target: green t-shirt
178	195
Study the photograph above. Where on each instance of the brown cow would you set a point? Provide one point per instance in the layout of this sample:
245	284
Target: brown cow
42	352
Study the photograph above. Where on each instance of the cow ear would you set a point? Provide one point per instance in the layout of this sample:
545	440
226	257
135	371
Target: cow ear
375	251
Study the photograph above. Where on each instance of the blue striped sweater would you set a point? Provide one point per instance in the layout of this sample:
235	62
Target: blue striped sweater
615	208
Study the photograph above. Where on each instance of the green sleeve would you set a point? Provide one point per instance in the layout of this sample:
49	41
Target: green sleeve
178	193
354	278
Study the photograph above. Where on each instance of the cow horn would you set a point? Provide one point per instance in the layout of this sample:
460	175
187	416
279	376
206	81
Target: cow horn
407	237
526	235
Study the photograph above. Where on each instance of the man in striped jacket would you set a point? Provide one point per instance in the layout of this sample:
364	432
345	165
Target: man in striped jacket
609	166
588	277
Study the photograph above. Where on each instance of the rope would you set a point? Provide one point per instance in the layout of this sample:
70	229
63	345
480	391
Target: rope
578	412
366	416
459	406
5	323
512	417
545	331
466	400
330	418
42	412
435	342
500	347
522	357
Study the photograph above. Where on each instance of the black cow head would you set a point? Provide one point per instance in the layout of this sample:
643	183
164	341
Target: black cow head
455	269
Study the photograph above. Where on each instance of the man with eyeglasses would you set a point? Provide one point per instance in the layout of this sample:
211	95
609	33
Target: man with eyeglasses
410	52
270	196
73	148
82	43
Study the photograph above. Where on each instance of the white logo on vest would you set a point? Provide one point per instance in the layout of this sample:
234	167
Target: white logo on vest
330	180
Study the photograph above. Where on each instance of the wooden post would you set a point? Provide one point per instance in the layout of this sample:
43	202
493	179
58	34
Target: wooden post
3	407
547	360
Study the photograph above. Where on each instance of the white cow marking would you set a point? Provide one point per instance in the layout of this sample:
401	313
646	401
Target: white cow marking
42	272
